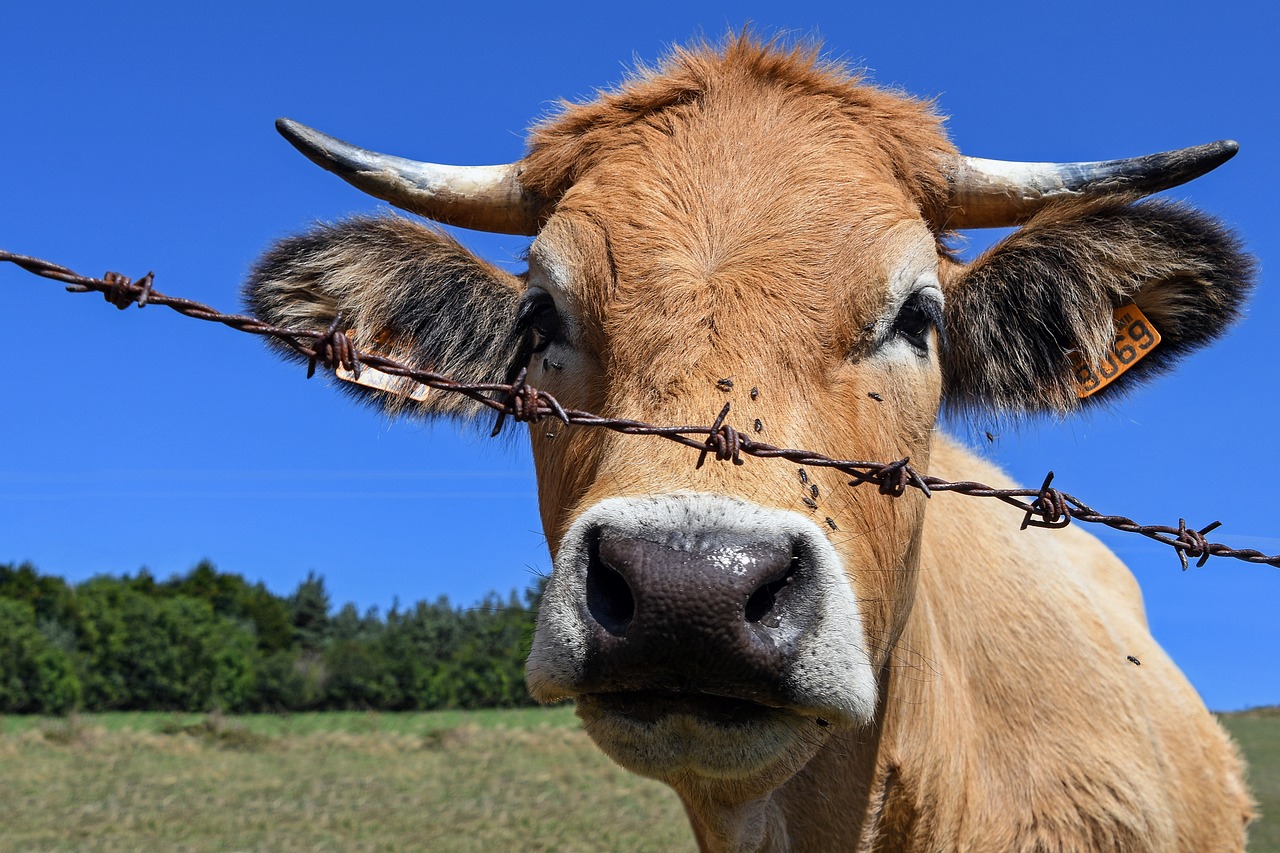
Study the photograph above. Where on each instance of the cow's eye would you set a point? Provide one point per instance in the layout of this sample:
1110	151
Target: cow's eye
918	316
540	318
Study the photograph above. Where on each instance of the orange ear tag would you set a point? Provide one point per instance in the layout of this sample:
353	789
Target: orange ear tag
371	377
1135	337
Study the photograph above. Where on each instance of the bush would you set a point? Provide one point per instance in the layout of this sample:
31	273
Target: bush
36	676
208	640
139	652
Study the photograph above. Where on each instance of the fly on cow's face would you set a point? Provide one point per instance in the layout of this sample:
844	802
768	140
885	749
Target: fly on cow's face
804	477
813	490
810	503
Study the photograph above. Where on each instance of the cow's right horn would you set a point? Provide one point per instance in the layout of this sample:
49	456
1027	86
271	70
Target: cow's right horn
992	193
484	198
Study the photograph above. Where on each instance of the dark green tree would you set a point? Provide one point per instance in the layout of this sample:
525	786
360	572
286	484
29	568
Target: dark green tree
232	596
50	597
487	670
140	652
309	608
36	676
417	645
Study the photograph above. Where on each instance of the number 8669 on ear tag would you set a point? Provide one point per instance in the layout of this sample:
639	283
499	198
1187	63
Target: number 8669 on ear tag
1135	337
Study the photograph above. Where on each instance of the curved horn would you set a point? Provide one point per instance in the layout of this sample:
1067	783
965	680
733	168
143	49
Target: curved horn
991	193
484	198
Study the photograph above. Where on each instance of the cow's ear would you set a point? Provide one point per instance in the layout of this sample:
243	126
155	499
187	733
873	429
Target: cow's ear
405	291
1023	317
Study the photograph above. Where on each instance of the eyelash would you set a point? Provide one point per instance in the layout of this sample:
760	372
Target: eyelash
538	318
916	317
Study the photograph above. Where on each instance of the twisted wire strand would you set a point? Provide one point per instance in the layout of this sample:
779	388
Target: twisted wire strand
1046	506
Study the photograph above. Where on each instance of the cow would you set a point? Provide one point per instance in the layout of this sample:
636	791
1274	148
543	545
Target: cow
810	664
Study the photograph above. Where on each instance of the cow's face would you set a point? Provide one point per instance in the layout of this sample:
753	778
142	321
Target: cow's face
715	263
756	230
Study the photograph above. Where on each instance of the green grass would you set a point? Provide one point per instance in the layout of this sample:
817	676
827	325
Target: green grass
285	725
526	779
514	780
1257	731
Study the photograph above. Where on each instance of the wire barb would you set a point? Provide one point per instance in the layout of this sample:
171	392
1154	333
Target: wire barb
1050	504
723	440
895	477
334	349
524	404
1192	544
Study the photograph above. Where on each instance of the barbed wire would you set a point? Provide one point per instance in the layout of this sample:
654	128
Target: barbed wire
1043	507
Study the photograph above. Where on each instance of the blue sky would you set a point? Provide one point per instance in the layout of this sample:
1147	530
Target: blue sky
140	137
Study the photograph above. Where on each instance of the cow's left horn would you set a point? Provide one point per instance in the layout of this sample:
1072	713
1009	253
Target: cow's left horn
484	198
991	193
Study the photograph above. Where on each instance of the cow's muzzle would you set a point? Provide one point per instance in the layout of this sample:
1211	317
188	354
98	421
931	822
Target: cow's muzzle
705	606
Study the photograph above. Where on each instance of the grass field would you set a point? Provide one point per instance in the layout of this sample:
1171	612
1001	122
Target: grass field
1258	734
450	781
483	781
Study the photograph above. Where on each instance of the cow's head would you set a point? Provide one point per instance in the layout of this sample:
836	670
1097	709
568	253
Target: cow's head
750	226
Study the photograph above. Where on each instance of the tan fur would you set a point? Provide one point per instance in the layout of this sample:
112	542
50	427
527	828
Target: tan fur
755	247
1054	740
746	215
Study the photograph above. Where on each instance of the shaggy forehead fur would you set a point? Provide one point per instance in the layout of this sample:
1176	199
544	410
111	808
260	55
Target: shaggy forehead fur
750	195
746	79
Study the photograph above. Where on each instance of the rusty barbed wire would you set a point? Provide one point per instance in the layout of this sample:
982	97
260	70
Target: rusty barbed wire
1043	507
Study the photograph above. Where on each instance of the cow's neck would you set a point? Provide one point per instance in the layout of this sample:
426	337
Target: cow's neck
729	825
847	776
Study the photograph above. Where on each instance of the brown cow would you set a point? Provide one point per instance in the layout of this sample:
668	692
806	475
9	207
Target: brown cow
811	665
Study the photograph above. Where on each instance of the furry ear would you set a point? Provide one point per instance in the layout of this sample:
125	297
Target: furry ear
405	291
1017	314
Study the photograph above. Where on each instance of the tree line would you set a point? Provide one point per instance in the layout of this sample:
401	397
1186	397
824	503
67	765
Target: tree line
211	640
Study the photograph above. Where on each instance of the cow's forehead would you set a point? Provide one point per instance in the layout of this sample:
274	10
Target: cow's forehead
734	210
770	116
744	220
734	277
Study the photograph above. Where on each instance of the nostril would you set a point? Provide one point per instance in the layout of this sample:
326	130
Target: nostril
763	604
609	597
